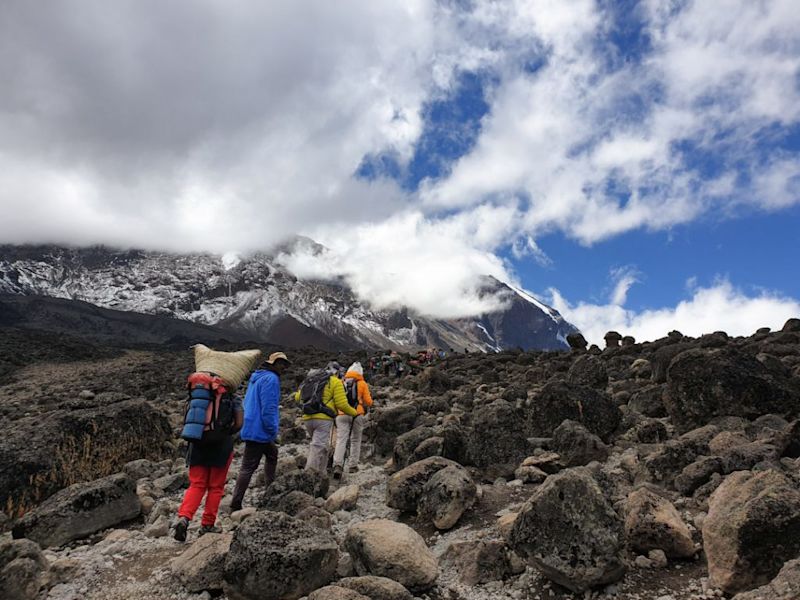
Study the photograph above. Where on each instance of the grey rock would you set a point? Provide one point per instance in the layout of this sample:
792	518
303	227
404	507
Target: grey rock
376	588
405	487
570	532
274	556
80	510
446	496
202	565
576	445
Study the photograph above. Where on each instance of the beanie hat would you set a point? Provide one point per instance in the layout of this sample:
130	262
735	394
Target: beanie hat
356	368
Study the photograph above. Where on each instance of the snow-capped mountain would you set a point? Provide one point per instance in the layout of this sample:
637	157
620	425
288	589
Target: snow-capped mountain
257	296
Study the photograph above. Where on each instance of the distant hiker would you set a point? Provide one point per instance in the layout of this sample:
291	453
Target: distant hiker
349	429
322	395
209	457
261	423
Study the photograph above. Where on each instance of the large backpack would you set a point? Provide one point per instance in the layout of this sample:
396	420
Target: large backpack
311	391
351	389
210	412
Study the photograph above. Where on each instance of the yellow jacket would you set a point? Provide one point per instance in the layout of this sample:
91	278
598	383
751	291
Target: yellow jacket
334	397
364	397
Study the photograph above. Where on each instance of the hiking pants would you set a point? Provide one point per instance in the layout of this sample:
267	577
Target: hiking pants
320	432
253	451
344	424
209	482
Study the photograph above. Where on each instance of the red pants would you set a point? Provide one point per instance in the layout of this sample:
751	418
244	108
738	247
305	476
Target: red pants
202	480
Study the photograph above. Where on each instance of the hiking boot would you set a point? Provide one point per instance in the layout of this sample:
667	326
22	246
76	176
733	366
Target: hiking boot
337	471
180	529
210	529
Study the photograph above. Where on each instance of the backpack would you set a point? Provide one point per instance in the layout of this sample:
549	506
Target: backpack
351	389
311	391
210	411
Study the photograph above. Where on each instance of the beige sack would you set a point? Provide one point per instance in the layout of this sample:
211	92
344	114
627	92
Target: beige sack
232	367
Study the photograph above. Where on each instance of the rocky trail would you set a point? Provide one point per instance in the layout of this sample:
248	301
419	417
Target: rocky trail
660	471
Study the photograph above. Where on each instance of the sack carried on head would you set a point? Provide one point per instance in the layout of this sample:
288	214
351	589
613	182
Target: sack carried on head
311	391
231	367
210	411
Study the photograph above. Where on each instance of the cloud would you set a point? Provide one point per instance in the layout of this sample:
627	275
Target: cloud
233	126
408	260
719	307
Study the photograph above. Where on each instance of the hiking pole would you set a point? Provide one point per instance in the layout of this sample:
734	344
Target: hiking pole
347	447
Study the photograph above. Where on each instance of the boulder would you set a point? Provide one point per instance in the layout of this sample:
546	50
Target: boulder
559	400
310	482
612	339
39	456
446	496
576	341
576	445
275	557
588	370
389	423
405	487
433	446
336	592
376	588
653	523
569	531
345	498
648	401
407	442
752	528
202	565
703	384
80	510
698	473
390	549
23	570
480	561
290	503
786	586
549	462
498	435
667	462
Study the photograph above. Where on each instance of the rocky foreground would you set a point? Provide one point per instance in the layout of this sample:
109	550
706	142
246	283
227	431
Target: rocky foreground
666	471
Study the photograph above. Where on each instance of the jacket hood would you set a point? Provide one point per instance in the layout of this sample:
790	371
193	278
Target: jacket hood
354	375
261	374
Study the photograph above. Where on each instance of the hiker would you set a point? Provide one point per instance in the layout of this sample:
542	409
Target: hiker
208	462
319	425
349	429
261	422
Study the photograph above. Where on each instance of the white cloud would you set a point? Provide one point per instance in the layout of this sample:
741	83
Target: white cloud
231	126
720	307
407	261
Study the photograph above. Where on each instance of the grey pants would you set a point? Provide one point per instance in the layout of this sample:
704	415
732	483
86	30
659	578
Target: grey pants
343	426
320	432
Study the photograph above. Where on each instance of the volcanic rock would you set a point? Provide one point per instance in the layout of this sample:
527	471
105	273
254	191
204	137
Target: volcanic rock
559	400
23	570
570	532
576	445
653	523
446	496
703	384
786	586
752	528
376	588
80	510
390	549
202	565
588	370
274	556
406	486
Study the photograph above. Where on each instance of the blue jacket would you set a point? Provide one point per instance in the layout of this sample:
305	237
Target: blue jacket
261	407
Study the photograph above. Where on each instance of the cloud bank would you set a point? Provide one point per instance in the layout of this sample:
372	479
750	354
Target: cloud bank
719	307
233	126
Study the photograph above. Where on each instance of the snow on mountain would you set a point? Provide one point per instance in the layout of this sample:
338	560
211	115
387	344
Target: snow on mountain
255	295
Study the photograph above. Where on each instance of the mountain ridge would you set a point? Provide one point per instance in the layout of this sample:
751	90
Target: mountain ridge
255	295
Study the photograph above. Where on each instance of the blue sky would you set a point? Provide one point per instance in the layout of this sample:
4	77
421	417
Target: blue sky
635	163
